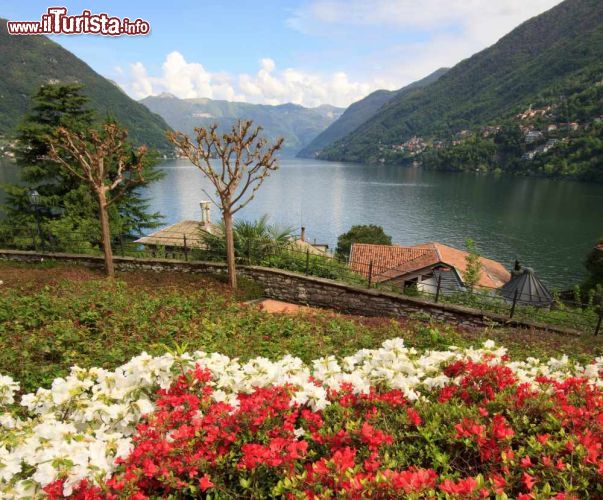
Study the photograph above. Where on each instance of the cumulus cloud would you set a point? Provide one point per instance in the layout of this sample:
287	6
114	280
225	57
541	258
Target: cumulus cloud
267	86
401	41
181	78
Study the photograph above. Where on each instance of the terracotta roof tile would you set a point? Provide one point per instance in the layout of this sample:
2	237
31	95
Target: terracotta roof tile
393	261
383	257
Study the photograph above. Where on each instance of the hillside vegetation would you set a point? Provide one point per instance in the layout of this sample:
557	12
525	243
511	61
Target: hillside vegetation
541	57
297	124
360	111
30	61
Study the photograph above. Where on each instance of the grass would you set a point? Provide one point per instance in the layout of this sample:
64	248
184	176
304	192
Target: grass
54	316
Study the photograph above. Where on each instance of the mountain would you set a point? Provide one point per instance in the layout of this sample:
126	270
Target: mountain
541	56
30	61
298	125
360	111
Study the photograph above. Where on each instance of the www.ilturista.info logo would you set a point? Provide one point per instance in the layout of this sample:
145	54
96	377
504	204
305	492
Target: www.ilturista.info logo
57	22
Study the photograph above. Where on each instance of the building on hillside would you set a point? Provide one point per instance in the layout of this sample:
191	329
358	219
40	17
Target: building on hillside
533	136
543	148
550	144
422	266
413	146
571	126
534	113
490	130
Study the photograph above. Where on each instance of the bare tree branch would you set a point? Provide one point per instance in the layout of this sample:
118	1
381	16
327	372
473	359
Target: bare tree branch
242	161
95	153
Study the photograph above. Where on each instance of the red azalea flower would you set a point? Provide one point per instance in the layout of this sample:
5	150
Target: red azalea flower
344	459
498	482
205	483
462	487
528	481
500	429
414	417
54	490
542	438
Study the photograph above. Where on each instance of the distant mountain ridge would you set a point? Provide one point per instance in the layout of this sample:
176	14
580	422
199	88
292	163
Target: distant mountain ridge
30	61
539	56
361	111
297	124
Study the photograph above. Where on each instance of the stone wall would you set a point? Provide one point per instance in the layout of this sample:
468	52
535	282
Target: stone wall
306	290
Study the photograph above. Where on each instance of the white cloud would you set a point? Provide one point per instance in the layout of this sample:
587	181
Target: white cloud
448	30
181	78
496	16
268	86
401	40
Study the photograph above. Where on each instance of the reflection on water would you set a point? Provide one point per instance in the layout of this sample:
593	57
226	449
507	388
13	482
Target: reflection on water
550	225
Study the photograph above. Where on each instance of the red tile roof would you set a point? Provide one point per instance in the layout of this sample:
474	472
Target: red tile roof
383	257
393	261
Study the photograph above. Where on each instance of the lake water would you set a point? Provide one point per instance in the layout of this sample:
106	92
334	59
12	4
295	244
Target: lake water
549	225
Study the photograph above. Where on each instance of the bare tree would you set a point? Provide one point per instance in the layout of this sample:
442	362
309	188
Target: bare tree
103	161
236	163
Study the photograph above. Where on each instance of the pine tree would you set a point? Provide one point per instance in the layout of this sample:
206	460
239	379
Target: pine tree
68	213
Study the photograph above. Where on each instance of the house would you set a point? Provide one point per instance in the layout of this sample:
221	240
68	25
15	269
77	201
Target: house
543	148
423	265
534	113
300	244
183	235
571	126
550	144
187	234
490	130
533	136
413	146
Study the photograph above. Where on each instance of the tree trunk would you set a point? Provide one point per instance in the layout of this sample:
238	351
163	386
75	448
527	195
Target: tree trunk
230	250
106	233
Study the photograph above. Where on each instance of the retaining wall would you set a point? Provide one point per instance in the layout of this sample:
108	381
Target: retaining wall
307	290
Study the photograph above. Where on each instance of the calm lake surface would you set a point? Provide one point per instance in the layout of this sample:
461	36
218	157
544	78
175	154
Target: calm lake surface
549	225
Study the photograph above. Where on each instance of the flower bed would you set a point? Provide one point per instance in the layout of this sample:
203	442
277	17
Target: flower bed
381	423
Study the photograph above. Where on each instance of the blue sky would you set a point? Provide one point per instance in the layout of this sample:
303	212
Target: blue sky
306	51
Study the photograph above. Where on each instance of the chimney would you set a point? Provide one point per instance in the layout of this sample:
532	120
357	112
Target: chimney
205	215
303	234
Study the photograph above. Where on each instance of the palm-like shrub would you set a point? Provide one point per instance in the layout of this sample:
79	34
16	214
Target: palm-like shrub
254	240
